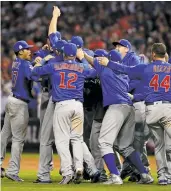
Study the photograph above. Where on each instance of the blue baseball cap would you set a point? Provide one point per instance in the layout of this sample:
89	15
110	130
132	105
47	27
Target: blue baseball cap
100	52
70	49
123	42
59	45
114	56
78	41
169	61
20	45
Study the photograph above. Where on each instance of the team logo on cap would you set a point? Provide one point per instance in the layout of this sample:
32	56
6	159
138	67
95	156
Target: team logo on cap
20	47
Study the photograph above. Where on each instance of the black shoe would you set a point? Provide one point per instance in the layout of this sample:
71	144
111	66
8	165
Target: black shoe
14	177
126	172
38	181
66	179
134	177
85	175
2	172
95	178
77	178
103	177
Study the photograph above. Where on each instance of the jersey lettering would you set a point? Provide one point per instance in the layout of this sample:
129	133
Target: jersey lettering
72	78
165	83
14	78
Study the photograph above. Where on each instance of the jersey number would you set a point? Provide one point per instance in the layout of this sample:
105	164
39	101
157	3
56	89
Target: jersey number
73	77
165	83
14	78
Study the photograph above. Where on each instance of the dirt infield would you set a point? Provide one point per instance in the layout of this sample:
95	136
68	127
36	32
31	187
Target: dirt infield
30	161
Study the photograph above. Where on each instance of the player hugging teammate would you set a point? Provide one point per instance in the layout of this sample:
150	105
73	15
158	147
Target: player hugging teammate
131	101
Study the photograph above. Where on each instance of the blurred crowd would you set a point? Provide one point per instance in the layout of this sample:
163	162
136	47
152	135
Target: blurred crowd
98	23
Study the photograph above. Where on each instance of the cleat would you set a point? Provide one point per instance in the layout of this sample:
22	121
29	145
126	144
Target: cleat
66	179
126	172
134	177
14	177
114	179
163	182
103	176
86	175
95	177
77	178
38	181
146	179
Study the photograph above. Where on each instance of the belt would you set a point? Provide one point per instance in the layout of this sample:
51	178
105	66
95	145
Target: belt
45	89
66	100
158	102
25	100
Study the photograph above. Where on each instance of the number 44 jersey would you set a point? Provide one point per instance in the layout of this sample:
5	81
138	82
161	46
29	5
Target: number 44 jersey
67	78
155	78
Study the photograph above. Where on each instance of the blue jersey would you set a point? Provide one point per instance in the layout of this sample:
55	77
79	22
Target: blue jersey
114	86
41	53
67	78
21	77
131	59
155	77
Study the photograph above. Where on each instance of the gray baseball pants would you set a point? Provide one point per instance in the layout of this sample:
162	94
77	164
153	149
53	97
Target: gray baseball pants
117	124
158	118
15	123
68	126
46	141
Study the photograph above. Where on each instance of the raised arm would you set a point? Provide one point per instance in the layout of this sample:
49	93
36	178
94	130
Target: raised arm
53	22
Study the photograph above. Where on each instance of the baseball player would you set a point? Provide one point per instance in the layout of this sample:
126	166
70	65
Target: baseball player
97	123
67	93
17	116
129	58
52	49
118	122
157	78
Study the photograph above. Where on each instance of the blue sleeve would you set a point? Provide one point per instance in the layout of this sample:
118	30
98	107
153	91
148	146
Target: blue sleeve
134	72
53	39
43	70
134	61
85	63
90	73
99	68
133	84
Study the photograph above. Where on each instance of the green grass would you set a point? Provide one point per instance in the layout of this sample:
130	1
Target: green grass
29	176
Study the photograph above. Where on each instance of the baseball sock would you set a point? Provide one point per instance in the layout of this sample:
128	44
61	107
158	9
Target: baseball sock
110	163
134	158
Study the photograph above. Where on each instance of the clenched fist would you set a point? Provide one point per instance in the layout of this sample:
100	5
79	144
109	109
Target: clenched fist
56	11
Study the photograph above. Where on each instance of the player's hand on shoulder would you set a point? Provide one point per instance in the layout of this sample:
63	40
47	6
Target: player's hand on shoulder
103	61
80	54
48	57
56	11
131	96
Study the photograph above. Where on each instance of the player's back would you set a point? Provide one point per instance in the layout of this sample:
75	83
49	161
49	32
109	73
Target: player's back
157	77
68	80
21	70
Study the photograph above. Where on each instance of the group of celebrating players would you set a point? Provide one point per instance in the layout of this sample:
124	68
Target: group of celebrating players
133	103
